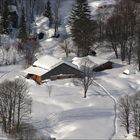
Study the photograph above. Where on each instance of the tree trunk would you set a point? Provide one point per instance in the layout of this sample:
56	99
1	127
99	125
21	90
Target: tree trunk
114	47
139	123
129	56
116	51
10	117
123	53
138	50
116	54
85	92
18	121
127	127
56	20
14	105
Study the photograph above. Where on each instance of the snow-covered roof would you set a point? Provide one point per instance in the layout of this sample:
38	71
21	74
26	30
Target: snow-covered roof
90	61
35	70
47	62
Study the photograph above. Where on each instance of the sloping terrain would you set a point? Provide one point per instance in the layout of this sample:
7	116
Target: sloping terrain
62	112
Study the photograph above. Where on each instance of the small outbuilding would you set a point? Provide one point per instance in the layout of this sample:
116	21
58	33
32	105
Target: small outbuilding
49	67
94	63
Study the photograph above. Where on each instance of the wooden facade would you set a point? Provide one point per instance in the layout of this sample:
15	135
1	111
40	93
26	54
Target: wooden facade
36	78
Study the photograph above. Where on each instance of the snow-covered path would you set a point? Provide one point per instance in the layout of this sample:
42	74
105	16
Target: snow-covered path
115	108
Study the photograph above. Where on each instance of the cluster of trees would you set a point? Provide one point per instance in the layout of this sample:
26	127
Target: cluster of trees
83	27
26	11
53	14
26	44
4	21
122	27
129	113
120	30
30	7
15	104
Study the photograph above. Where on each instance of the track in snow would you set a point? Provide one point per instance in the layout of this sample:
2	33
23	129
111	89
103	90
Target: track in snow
115	108
4	74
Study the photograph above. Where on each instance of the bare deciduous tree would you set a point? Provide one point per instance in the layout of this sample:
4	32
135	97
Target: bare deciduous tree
135	107
121	28
56	17
125	112
112	29
29	49
87	78
129	113
15	104
65	45
138	47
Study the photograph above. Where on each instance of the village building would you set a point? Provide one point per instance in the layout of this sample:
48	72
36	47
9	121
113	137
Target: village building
49	67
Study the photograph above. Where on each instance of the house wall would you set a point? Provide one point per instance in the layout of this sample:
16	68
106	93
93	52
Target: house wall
62	69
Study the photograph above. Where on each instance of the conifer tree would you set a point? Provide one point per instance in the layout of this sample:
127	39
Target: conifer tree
82	27
48	13
4	23
23	34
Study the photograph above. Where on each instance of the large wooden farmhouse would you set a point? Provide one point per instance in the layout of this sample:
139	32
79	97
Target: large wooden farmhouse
49	67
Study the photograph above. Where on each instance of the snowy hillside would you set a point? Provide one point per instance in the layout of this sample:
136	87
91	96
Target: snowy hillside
58	107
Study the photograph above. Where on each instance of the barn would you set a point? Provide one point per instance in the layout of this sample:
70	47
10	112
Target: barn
49	67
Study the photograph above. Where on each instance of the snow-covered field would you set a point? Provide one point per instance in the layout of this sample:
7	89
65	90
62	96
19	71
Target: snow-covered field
65	114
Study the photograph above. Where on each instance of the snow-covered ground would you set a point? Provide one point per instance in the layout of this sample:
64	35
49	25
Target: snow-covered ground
65	114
